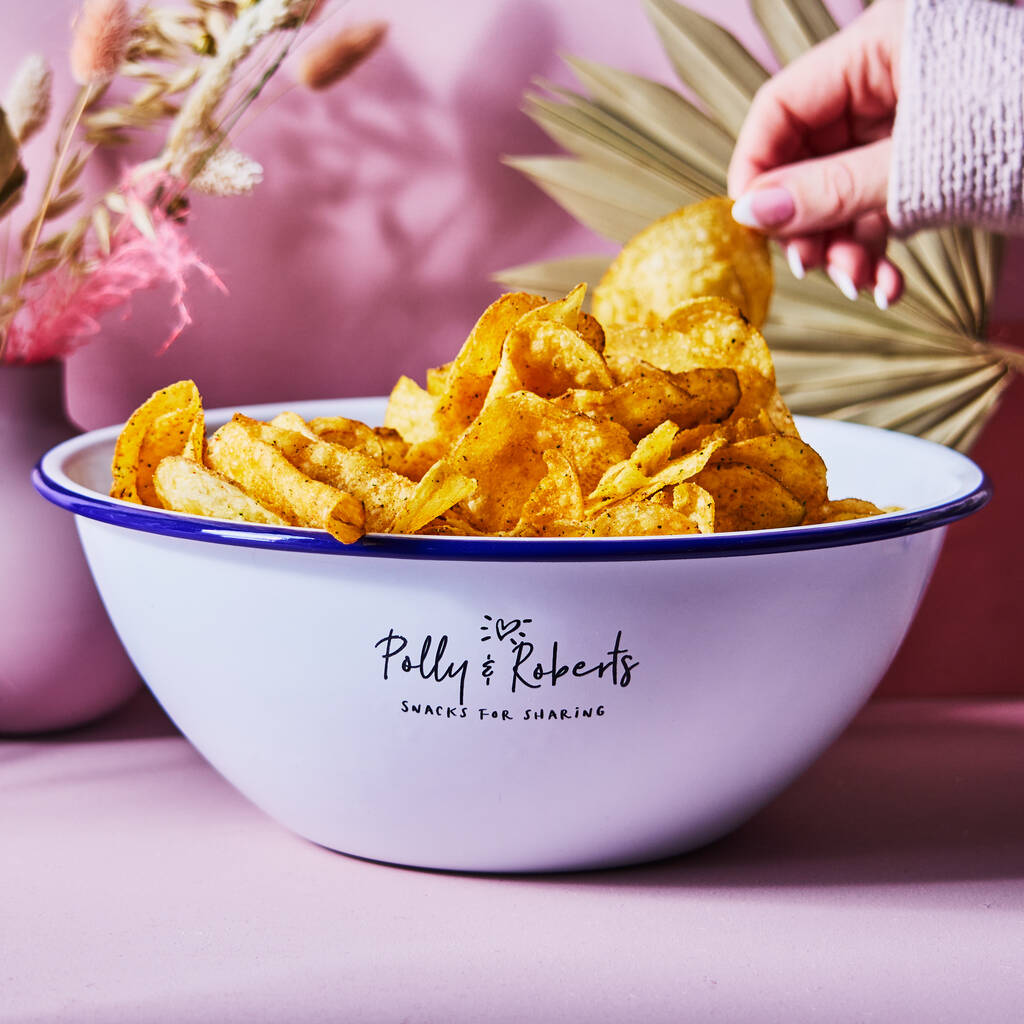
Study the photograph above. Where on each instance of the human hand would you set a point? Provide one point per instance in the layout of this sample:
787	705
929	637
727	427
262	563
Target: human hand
811	164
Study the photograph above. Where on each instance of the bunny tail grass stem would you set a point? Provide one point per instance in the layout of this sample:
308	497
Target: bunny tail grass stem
85	93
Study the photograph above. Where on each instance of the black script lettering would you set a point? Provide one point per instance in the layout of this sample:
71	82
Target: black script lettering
451	671
430	665
523	650
393	646
620	664
556	671
621	660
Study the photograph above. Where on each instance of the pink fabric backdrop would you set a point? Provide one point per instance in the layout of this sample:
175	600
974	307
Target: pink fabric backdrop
368	251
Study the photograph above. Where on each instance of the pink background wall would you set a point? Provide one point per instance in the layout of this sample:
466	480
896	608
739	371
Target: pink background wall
369	247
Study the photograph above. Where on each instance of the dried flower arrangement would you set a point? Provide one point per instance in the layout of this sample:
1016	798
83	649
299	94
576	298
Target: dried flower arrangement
640	149
192	70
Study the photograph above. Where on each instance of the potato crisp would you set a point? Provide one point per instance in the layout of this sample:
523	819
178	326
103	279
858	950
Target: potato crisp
659	415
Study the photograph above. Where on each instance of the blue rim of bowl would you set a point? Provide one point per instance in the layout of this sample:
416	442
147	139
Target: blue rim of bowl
92	505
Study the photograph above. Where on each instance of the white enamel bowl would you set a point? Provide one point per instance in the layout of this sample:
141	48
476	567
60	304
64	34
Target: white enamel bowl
516	705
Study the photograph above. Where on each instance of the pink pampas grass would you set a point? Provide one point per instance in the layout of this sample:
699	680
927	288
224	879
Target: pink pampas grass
63	307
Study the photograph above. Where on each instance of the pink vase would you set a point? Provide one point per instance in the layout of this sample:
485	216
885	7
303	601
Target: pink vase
61	663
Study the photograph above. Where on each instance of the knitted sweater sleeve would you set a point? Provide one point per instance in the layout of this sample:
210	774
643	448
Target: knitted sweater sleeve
958	137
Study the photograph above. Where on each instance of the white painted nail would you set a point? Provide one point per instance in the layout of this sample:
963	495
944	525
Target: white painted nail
796	265
881	300
842	280
743	213
764	208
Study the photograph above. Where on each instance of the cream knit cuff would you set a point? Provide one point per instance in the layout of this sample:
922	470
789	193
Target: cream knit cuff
958	138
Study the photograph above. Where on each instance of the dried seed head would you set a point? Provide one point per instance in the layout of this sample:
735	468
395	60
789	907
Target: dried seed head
102	32
189	135
228	172
336	57
27	103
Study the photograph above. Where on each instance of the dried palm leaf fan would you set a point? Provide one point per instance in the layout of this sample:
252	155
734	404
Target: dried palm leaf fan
640	150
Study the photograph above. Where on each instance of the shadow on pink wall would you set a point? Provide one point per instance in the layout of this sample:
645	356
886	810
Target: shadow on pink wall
368	249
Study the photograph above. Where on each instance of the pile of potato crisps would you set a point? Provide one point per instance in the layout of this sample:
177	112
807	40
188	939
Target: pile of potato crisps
657	415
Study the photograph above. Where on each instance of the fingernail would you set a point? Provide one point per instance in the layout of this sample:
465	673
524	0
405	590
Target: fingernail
796	264
842	280
881	299
765	209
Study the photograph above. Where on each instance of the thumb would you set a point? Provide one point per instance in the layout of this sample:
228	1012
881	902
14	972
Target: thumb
815	195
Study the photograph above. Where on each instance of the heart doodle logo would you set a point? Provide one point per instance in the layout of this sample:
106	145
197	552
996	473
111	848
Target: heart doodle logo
504	628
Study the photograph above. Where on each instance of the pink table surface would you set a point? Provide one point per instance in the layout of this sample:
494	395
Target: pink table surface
887	884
